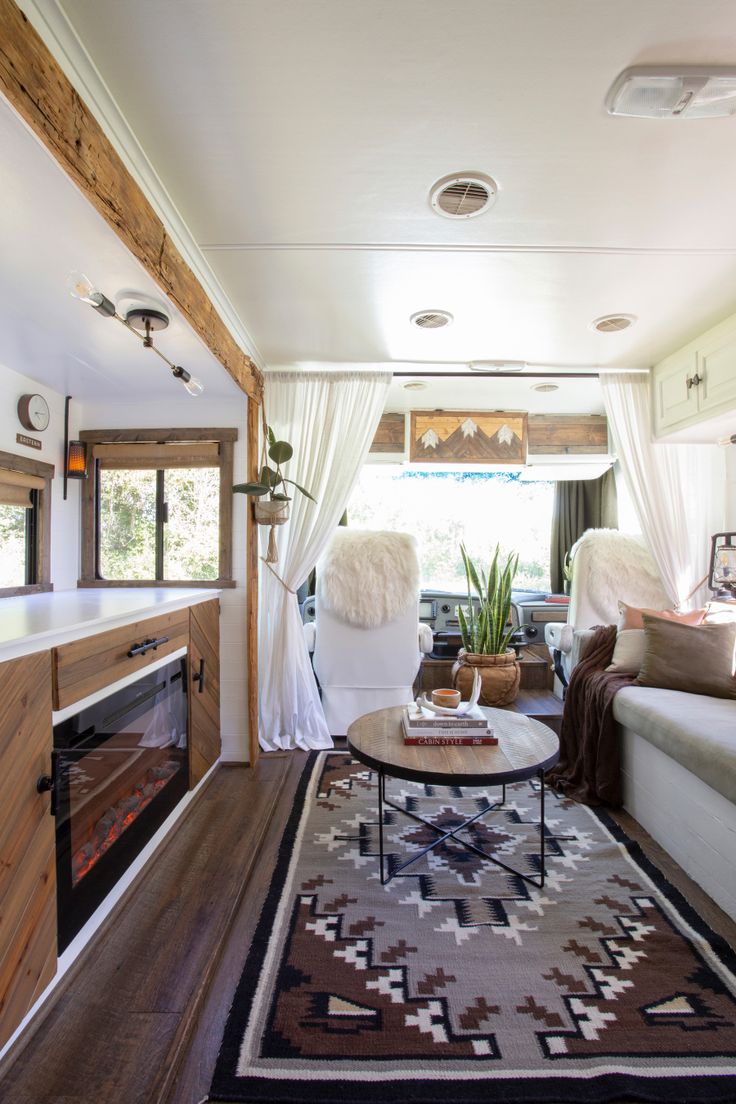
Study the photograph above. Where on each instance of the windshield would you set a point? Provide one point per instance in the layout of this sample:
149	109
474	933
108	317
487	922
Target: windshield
443	509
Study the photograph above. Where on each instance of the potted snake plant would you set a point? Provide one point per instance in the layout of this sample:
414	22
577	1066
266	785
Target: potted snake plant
486	631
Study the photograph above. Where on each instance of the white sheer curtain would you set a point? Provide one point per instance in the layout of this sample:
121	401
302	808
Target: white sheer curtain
677	489
330	418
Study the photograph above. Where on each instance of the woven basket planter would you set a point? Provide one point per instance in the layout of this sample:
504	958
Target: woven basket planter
499	676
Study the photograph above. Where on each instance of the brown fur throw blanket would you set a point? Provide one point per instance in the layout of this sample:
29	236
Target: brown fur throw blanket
589	769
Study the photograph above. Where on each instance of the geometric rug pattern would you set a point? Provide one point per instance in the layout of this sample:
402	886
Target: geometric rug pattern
459	981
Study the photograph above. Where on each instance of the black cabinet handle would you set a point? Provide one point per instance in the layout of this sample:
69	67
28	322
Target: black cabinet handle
146	646
199	676
45	784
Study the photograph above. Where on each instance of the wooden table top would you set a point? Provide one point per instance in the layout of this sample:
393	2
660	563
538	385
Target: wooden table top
525	746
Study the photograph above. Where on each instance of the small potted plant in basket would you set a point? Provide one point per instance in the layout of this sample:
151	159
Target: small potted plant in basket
486	632
271	482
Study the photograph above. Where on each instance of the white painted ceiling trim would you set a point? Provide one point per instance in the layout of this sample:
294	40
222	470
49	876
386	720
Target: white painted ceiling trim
51	23
465	247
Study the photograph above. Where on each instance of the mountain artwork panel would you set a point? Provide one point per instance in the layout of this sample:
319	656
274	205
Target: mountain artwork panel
462	437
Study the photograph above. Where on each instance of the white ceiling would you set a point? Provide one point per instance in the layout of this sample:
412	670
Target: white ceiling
47	229
299	141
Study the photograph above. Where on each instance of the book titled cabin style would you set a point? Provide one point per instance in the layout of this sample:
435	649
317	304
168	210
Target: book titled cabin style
471	729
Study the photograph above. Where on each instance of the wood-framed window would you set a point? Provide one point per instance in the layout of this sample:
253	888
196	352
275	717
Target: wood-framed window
157	508
25	525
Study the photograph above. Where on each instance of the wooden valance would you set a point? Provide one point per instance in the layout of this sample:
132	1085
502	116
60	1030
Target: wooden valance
179	454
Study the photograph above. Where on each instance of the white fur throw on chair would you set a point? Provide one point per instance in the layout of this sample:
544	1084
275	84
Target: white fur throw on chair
615	566
368	578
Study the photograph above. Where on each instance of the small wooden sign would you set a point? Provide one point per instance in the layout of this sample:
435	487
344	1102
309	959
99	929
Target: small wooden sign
29	442
461	437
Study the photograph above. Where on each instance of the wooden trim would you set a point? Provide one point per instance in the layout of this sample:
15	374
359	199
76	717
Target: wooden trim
192	584
34	588
157	436
251	540
27	464
35	85
226	509
390	434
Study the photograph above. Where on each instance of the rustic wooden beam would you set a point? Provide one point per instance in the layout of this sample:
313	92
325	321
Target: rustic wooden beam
251	539
36	87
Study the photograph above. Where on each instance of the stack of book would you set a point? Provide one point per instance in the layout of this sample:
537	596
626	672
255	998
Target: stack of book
421	726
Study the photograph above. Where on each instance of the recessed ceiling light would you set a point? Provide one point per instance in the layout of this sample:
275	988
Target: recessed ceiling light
463	195
431	319
415	385
545	387
613	323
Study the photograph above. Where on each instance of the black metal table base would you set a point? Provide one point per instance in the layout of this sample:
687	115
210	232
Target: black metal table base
452	833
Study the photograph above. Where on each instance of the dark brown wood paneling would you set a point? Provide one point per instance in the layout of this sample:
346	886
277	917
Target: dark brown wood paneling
562	434
27	840
390	434
36	86
86	665
204	693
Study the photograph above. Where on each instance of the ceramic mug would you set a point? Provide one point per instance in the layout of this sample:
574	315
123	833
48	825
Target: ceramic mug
448	699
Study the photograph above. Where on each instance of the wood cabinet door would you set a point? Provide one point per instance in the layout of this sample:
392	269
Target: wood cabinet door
204	689
27	839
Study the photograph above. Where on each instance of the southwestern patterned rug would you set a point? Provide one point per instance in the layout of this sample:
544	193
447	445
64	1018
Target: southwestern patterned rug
458	982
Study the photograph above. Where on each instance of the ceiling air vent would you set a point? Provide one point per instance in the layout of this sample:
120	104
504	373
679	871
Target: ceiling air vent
431	320
612	323
463	195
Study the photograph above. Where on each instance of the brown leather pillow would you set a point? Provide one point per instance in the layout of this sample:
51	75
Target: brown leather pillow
698	659
630	617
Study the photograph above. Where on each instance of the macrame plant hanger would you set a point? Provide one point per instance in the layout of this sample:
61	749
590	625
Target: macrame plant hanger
273	512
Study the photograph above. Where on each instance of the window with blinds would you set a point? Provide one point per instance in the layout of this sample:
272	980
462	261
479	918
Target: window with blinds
25	504
159	511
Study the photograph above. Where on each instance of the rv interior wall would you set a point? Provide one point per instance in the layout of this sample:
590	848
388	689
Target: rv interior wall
204	412
64	515
731	487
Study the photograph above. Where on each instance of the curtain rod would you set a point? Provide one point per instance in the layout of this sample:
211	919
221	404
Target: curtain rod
499	375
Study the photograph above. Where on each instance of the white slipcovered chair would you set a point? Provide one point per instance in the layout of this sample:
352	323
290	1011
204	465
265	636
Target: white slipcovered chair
366	636
607	567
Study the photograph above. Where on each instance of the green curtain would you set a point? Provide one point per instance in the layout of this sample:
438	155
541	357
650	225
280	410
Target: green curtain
580	504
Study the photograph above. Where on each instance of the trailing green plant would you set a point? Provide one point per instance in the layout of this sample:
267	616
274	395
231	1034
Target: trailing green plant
484	631
567	572
271	479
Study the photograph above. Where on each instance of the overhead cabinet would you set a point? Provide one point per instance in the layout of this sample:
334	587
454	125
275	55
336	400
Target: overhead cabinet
696	384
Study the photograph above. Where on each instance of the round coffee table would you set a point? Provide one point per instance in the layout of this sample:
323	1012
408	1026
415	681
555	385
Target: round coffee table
526	749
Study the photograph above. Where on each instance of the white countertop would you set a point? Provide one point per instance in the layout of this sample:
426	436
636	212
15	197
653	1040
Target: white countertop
34	622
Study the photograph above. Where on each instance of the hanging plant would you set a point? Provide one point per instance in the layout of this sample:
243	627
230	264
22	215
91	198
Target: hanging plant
269	491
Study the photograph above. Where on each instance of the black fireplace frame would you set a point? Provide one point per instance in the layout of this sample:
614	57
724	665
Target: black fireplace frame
76	903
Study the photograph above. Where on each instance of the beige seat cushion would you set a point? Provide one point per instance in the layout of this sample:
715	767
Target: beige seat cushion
697	731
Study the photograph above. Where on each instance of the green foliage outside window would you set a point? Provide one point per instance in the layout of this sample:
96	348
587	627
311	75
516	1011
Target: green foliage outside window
12	546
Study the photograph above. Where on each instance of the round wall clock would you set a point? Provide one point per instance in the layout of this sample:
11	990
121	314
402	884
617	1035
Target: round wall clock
33	412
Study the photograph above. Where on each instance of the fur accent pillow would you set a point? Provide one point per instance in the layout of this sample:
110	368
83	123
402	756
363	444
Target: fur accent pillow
368	578
698	659
629	652
630	617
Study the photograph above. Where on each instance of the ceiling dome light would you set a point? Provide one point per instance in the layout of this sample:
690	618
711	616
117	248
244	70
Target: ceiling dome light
463	195
431	319
415	385
674	92
544	388
613	323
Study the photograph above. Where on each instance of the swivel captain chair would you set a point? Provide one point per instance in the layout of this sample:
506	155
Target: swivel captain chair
366	636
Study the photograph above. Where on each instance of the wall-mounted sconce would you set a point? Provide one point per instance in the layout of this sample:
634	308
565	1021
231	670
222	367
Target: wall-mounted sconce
75	453
141	321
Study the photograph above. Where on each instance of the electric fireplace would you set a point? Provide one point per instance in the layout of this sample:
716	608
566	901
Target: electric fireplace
120	766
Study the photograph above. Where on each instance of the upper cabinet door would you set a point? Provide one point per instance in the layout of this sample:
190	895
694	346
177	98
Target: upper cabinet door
27	840
717	369
674	401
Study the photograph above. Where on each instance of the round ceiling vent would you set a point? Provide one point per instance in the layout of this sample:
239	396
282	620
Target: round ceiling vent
463	195
431	320
544	388
613	323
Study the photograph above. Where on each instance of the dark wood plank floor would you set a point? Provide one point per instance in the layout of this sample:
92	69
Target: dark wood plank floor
140	1020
